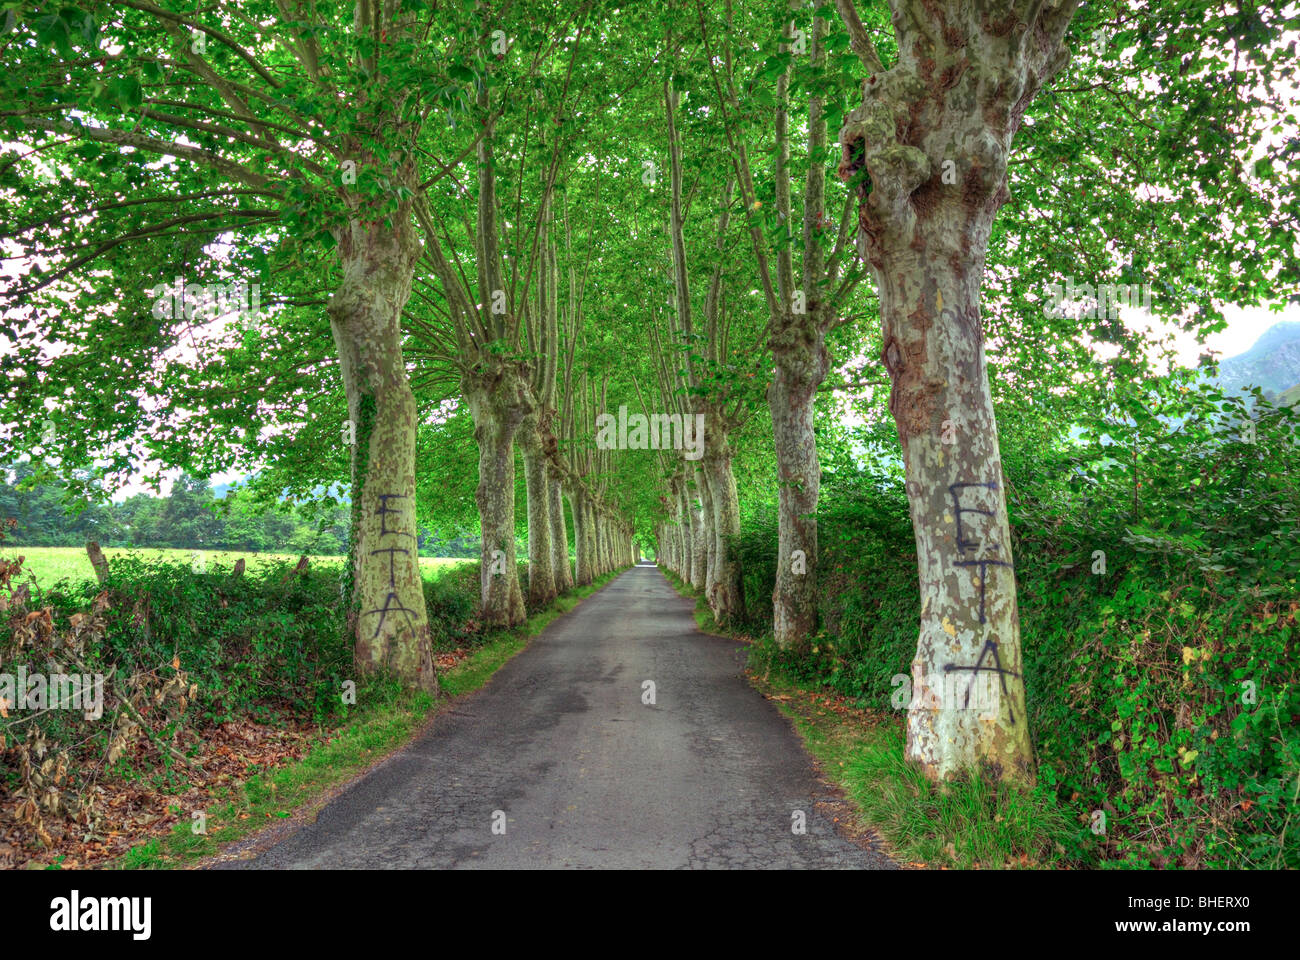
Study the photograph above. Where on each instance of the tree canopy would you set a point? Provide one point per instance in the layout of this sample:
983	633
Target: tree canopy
419	253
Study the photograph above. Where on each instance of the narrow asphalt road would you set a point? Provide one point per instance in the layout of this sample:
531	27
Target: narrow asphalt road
584	772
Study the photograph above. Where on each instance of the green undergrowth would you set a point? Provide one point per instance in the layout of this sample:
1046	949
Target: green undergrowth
1158	631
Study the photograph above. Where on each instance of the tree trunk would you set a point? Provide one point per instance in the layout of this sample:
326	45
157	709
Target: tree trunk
952	102
592	533
541	572
799	348
98	560
386	613
699	543
559	535
727	599
601	529
591	536
575	511
710	542
583	574
498	402
682	533
968	700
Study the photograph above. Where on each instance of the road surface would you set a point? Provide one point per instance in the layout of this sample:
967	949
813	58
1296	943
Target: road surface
560	751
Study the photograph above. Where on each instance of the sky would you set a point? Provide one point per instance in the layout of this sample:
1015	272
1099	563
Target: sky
1245	326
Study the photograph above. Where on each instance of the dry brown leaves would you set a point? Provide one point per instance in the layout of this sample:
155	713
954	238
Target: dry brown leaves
132	812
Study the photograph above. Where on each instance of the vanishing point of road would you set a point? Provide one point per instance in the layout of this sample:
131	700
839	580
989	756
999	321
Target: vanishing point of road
560	750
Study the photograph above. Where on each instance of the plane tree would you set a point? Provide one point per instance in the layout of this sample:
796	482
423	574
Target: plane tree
948	87
296	129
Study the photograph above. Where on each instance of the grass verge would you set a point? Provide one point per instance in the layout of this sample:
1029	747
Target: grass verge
51	564
968	823
392	715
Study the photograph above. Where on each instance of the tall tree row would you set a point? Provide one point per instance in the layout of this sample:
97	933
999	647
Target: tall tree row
232	126
803	300
281	138
477	232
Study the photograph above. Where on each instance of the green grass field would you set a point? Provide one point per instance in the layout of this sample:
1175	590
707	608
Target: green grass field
51	564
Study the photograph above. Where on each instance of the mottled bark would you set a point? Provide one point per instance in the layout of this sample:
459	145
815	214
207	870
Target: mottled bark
538	443
583	572
710	541
965	74
541	572
498	401
726	597
698	534
799	348
593	558
386	613
680	524
602	542
969	644
560	568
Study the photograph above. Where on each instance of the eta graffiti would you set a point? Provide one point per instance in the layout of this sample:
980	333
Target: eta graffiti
963	544
391	603
990	651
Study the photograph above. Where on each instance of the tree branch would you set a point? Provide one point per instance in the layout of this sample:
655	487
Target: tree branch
151	145
859	39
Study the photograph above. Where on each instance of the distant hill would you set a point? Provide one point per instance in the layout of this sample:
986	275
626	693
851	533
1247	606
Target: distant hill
1273	363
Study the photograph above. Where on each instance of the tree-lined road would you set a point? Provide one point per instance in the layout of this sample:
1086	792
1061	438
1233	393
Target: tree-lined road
587	774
